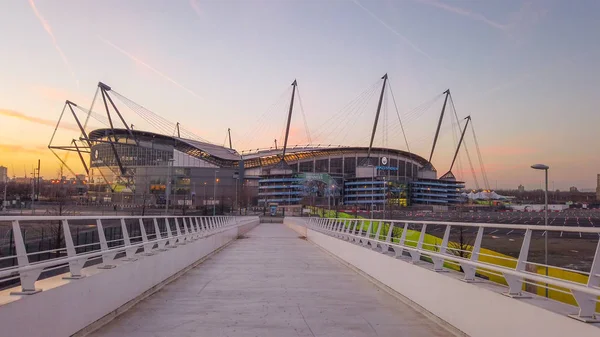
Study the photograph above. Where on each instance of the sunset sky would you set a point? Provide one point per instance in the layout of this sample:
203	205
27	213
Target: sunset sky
526	71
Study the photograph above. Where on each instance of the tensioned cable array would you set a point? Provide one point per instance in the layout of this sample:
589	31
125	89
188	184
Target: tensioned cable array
465	147
308	137
159	123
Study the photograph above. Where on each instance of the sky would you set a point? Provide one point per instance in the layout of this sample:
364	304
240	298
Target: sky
525	71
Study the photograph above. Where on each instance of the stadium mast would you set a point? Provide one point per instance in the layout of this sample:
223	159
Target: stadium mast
437	131
229	133
289	119
449	174
384	78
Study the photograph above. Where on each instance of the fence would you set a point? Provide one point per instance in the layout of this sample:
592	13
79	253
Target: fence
417	241
74	242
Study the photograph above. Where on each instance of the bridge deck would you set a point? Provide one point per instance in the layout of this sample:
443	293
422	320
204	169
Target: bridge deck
271	283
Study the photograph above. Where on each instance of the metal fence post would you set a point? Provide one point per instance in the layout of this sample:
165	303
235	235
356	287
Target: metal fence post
75	266
147	246
515	283
180	240
386	247
160	242
586	302
29	277
399	250
438	263
107	257
469	270
172	240
129	251
416	254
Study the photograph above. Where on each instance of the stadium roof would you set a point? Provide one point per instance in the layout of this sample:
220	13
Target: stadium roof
259	158
179	143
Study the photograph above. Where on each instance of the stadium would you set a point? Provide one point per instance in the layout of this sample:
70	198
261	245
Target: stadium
129	166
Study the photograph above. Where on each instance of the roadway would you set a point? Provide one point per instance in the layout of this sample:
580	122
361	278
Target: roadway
271	283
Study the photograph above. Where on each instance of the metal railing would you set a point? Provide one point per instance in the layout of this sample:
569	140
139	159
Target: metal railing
151	234
445	254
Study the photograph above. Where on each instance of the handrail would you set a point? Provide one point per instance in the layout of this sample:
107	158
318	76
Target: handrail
185	229
585	294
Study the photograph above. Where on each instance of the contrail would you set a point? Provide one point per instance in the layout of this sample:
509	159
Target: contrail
404	38
196	7
464	12
140	62
42	121
48	30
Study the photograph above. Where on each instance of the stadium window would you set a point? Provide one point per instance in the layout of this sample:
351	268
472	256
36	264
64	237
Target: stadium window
350	166
306	166
322	166
335	166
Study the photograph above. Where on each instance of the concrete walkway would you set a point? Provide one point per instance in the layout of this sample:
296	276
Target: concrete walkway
271	283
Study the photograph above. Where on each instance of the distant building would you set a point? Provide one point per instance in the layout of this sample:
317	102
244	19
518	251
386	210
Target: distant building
4	174
521	188
598	189
573	189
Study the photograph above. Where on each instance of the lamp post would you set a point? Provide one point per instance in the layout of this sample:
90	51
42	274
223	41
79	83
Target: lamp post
215	193
168	188
545	168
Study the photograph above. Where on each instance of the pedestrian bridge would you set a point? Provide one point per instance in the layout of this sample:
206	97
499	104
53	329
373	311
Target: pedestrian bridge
231	276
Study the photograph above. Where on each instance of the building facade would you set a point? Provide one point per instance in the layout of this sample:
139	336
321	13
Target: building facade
152	168
3	174
598	189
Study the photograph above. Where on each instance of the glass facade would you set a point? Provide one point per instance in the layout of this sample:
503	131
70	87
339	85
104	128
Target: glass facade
130	155
436	191
322	165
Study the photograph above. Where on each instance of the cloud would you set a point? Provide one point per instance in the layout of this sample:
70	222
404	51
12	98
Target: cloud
32	119
19	149
395	32
464	12
507	150
48	30
142	63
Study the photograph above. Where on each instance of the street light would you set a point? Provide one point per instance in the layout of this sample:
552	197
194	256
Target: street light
215	193
169	185
545	168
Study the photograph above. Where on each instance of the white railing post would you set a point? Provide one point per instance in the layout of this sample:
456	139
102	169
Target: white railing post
147	245
374	244
367	237
196	227
108	257
180	240
353	233
27	278
186	232
172	242
415	254
161	243
386	247
203	225
515	283
129	251
586	302
75	266
470	270
398	250
438	263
